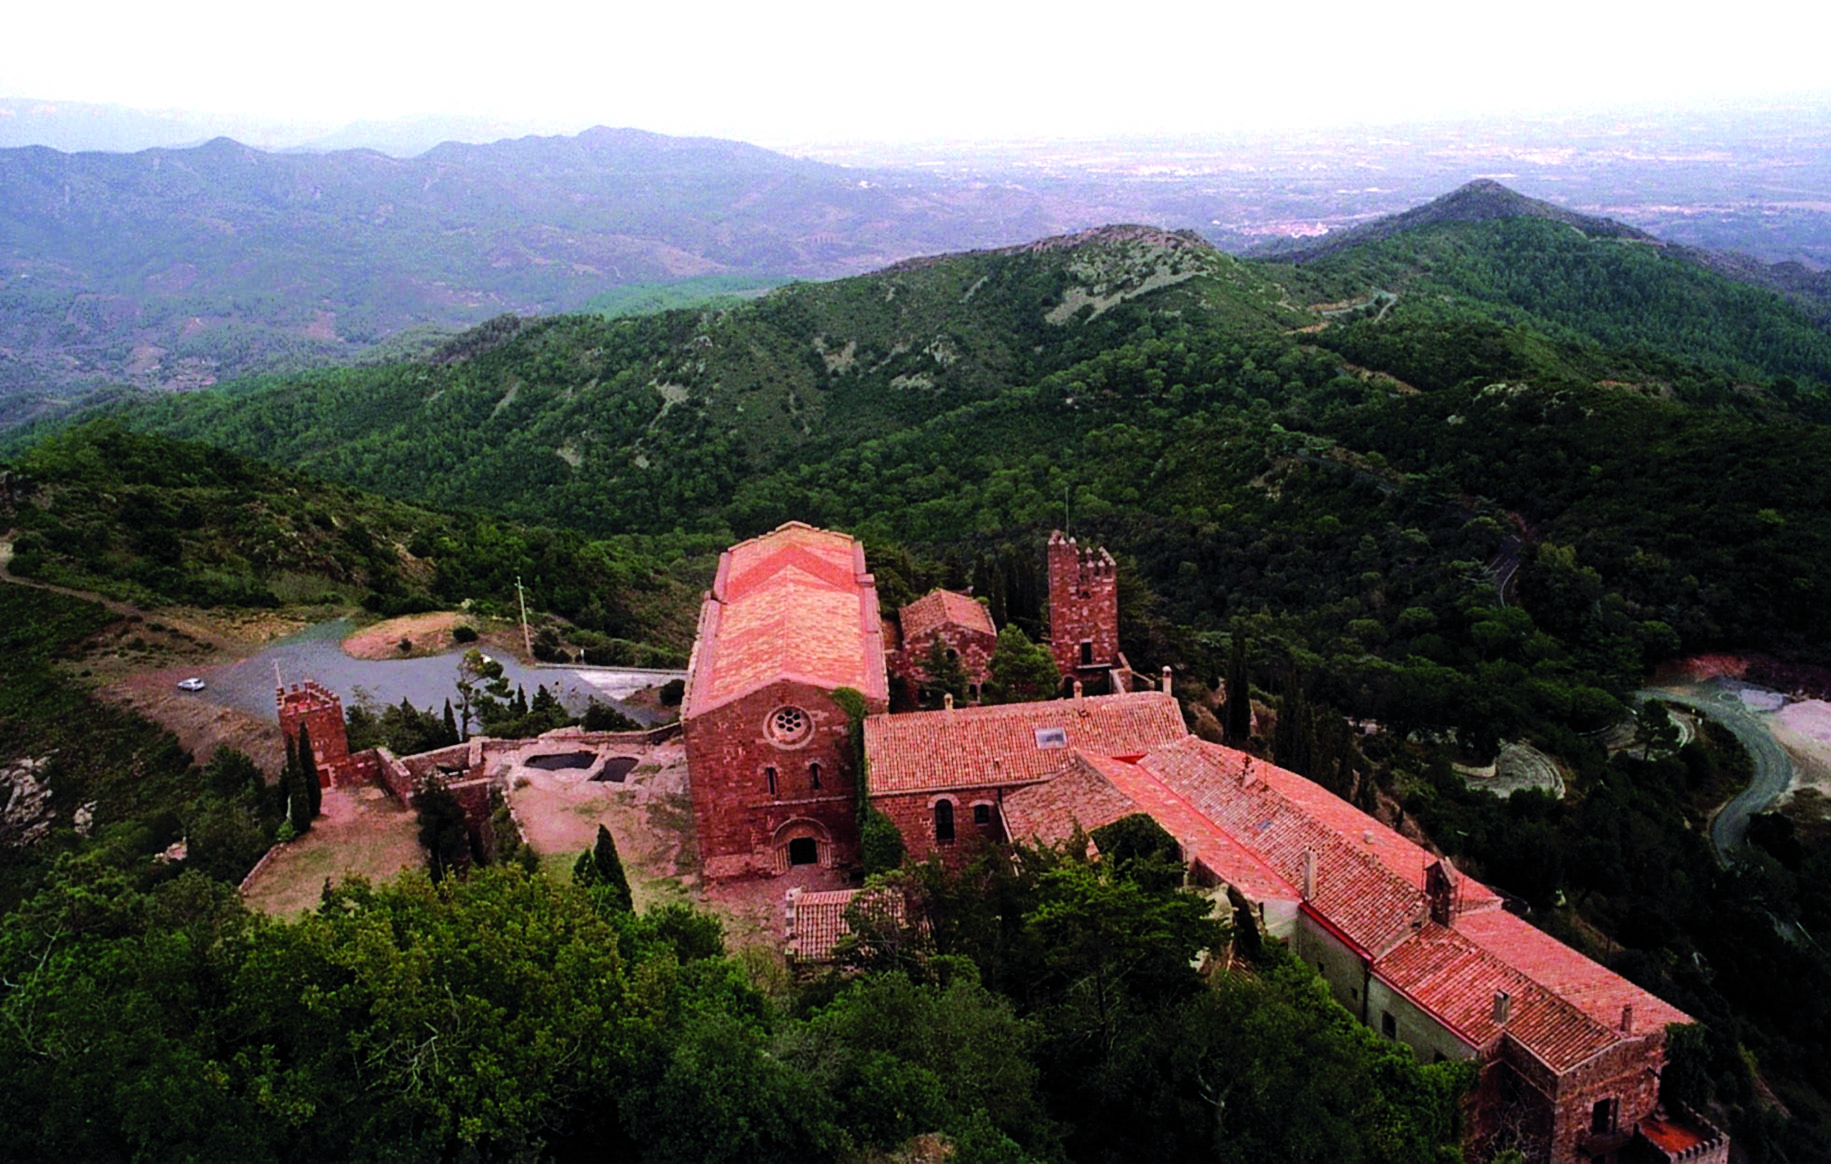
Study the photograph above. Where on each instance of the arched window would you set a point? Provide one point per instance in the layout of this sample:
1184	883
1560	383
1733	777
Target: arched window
813	774
944	822
769	777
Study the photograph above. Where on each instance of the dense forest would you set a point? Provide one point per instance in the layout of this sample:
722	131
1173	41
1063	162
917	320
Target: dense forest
1461	486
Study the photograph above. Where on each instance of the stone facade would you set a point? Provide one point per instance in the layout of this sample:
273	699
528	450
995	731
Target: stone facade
954	825
958	624
774	783
1083	610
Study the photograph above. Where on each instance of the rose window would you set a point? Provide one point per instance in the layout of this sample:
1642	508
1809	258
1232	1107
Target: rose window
789	725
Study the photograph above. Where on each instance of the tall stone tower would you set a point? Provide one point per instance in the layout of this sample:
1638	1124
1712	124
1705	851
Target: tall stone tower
1083	608
319	710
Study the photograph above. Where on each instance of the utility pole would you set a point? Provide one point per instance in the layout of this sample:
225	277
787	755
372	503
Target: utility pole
526	638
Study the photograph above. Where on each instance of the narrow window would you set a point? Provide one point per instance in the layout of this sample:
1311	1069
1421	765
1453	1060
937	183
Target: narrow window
982	814
1087	654
944	822
813	775
769	776
1602	1116
1389	1026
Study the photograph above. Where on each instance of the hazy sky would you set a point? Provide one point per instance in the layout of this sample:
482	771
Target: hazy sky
823	71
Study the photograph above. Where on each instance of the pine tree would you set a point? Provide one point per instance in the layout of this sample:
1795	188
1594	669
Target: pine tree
1294	737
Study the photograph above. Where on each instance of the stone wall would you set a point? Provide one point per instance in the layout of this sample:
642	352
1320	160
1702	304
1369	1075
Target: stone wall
914	817
1627	1075
974	648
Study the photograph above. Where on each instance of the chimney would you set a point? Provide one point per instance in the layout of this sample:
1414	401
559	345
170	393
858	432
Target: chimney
1627	1018
1503	1007
1077	691
1309	874
947	701
1166	681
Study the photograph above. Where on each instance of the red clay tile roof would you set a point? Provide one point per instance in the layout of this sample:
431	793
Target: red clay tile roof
1201	838
939	608
814	922
1371	903
1012	743
1455	980
1369	885
796	603
1083	797
1597	991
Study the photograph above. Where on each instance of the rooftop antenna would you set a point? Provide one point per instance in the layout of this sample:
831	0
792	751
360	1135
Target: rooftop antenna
527	640
278	683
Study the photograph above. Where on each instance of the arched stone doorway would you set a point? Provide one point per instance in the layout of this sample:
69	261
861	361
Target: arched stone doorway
801	842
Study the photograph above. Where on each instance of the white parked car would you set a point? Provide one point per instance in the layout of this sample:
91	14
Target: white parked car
191	684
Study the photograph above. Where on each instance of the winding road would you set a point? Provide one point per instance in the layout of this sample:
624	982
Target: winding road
1773	767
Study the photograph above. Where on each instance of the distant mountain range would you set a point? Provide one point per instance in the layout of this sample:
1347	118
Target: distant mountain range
175	268
172	269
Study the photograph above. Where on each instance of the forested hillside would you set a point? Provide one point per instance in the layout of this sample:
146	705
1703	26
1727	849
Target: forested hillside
1462	485
157	522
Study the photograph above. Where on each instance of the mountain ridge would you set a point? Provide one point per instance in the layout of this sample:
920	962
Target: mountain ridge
1480	200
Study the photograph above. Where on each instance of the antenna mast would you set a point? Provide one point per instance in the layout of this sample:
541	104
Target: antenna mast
527	640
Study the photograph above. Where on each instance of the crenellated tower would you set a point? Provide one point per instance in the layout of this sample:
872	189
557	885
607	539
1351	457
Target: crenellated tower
1083	608
321	712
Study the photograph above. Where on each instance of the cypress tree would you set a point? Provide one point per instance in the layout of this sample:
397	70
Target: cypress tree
1236	729
451	727
292	782
609	868
282	788
308	775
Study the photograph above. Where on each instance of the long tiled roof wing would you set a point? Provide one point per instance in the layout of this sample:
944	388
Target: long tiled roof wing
796	603
1456	980
1354	889
1591	987
1012	743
